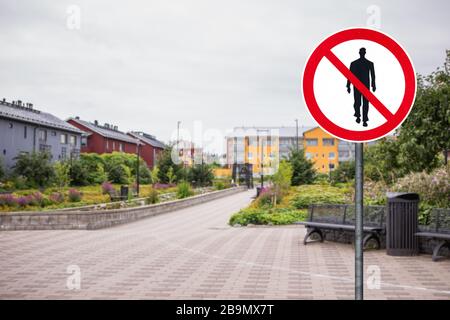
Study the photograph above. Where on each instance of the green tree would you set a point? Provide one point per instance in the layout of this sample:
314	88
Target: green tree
119	174
201	175
282	180
165	162
171	177
155	174
145	175
35	167
303	171
79	174
381	161
344	172
425	133
62	174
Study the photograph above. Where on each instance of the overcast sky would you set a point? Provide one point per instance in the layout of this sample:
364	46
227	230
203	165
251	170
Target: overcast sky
143	65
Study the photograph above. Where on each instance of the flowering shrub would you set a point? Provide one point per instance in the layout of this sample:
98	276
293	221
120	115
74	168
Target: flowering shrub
164	185
7	200
37	198
75	195
108	188
56	197
433	188
23	201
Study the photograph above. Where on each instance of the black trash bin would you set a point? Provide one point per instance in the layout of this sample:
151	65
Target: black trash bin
401	224
124	192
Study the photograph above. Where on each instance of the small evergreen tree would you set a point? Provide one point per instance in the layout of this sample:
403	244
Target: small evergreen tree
303	171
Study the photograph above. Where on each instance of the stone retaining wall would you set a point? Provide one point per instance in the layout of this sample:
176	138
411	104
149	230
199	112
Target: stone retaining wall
91	220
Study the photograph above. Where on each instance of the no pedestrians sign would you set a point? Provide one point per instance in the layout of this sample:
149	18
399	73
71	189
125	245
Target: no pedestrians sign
359	84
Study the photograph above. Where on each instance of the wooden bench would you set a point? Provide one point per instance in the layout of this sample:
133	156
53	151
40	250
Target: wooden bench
438	230
341	217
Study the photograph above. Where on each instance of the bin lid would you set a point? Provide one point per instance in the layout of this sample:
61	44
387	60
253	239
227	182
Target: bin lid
402	195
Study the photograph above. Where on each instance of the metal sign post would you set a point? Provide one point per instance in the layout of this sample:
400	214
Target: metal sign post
359	259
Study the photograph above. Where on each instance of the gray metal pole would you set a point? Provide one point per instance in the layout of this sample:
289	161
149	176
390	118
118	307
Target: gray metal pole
359	259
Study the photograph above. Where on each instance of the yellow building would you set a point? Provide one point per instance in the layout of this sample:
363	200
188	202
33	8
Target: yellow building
269	144
322	149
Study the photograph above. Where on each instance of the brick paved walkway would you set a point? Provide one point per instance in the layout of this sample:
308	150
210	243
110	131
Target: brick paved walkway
192	253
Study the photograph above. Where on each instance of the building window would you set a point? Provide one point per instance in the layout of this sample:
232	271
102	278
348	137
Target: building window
331	166
107	144
63	138
311	142
42	135
309	155
250	155
73	140
54	133
328	142
114	145
63	153
121	147
11	125
83	141
331	155
25	132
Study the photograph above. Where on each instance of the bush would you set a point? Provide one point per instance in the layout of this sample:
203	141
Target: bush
267	198
433	188
120	174
345	172
108	188
145	175
152	197
75	195
79	174
7	200
201	175
62	174
277	216
219	185
164	185
282	179
184	190
35	167
57	197
316	194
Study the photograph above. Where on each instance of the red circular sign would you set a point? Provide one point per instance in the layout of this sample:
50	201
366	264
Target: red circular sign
324	51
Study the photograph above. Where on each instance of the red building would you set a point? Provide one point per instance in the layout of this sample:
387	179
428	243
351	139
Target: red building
150	147
103	139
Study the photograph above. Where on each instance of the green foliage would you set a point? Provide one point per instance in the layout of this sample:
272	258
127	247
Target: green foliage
165	165
303	171
201	175
184	190
433	187
152	197
381	161
78	173
315	194
283	177
276	216
171	177
95	168
219	185
425	133
62	174
119	174
35	167
145	175
343	173
155	175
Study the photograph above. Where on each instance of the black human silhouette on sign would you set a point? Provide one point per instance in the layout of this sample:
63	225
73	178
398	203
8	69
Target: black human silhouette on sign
361	68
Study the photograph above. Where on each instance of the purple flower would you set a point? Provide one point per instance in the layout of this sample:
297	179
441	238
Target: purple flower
57	197
107	188
75	195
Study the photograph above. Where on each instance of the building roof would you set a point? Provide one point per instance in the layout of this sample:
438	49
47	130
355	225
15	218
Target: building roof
147	138
274	131
26	113
110	133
